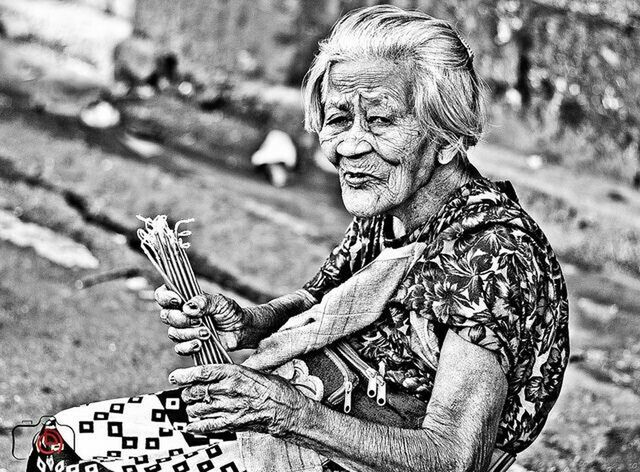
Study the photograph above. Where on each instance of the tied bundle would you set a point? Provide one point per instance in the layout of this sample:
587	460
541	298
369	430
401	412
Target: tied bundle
165	249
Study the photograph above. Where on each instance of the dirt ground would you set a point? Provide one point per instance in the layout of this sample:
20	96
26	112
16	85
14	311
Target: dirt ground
74	335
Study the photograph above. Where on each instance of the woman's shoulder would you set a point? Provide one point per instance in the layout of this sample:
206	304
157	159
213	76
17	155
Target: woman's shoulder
488	214
361	243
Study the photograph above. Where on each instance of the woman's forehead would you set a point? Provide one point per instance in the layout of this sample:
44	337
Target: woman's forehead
379	82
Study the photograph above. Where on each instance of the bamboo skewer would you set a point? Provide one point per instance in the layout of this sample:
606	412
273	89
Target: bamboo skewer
165	249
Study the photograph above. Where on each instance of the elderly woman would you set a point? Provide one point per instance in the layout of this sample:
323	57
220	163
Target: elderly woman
444	296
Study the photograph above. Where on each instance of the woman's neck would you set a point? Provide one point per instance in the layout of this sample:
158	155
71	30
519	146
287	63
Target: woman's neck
428	200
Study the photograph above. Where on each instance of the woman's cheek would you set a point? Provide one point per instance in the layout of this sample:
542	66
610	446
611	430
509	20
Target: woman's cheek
399	184
328	147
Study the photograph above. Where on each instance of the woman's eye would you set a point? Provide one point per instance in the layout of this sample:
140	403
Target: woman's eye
379	120
337	120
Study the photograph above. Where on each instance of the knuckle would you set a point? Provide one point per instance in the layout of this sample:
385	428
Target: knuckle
217	303
208	302
205	372
189	394
193	410
176	319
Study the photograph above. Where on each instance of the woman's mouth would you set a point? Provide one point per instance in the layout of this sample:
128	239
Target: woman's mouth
356	179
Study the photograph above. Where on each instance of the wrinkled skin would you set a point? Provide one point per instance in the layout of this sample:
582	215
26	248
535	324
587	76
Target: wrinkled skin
385	165
185	324
234	398
371	135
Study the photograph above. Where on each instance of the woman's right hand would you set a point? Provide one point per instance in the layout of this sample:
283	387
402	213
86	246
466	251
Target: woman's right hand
185	322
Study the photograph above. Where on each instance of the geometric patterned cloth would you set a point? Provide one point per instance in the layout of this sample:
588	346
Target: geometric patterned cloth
136	434
489	274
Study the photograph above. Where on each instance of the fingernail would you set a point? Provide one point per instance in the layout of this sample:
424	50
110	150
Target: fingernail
192	306
175	301
194	321
204	332
172	379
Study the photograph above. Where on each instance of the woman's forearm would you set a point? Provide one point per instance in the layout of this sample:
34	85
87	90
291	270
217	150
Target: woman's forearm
458	433
263	320
365	446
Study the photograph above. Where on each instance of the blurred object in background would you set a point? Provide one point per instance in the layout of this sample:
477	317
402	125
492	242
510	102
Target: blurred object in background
134	61
562	73
121	8
100	115
276	156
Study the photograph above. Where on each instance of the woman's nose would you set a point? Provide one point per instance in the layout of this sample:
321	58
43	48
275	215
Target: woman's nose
354	144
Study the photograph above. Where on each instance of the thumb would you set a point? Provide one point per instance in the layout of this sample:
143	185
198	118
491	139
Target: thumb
197	306
228	340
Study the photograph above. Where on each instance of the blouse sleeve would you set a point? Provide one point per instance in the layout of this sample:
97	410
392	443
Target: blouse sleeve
358	247
482	286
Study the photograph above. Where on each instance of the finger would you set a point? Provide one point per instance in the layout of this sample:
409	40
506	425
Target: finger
204	392
224	317
223	421
219	423
201	373
194	393
188	334
211	407
166	298
188	348
228	340
177	319
198	305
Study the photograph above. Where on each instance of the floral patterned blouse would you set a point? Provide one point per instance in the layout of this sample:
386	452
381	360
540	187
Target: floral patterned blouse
489	274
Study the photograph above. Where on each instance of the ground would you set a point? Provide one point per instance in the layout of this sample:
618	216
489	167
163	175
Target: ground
70	335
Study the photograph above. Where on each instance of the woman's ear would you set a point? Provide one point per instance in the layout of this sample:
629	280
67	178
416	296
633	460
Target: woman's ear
447	153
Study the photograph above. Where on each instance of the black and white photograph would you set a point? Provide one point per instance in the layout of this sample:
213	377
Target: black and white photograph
319	236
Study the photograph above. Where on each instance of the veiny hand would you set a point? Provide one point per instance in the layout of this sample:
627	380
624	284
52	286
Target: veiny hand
185	325
228	397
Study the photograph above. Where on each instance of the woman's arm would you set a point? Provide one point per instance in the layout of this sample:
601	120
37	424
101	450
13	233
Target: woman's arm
262	320
241	328
238	327
458	433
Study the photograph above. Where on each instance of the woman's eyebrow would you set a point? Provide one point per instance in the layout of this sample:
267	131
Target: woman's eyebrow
342	105
388	101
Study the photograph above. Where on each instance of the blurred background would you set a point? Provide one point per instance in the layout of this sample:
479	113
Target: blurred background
191	108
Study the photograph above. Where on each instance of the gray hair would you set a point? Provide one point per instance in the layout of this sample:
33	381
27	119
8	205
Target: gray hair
447	94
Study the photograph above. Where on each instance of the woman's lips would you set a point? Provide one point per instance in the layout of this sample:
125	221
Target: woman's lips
356	179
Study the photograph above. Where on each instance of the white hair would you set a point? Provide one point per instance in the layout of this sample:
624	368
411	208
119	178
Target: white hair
447	95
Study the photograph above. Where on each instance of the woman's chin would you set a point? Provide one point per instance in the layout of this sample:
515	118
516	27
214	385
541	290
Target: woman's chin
362	203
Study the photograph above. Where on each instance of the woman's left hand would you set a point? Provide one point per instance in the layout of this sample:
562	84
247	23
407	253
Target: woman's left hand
227	397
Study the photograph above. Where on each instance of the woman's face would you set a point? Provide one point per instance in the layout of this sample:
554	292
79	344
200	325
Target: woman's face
371	135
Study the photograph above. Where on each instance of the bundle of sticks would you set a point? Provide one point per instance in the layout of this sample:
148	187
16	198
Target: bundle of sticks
165	249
